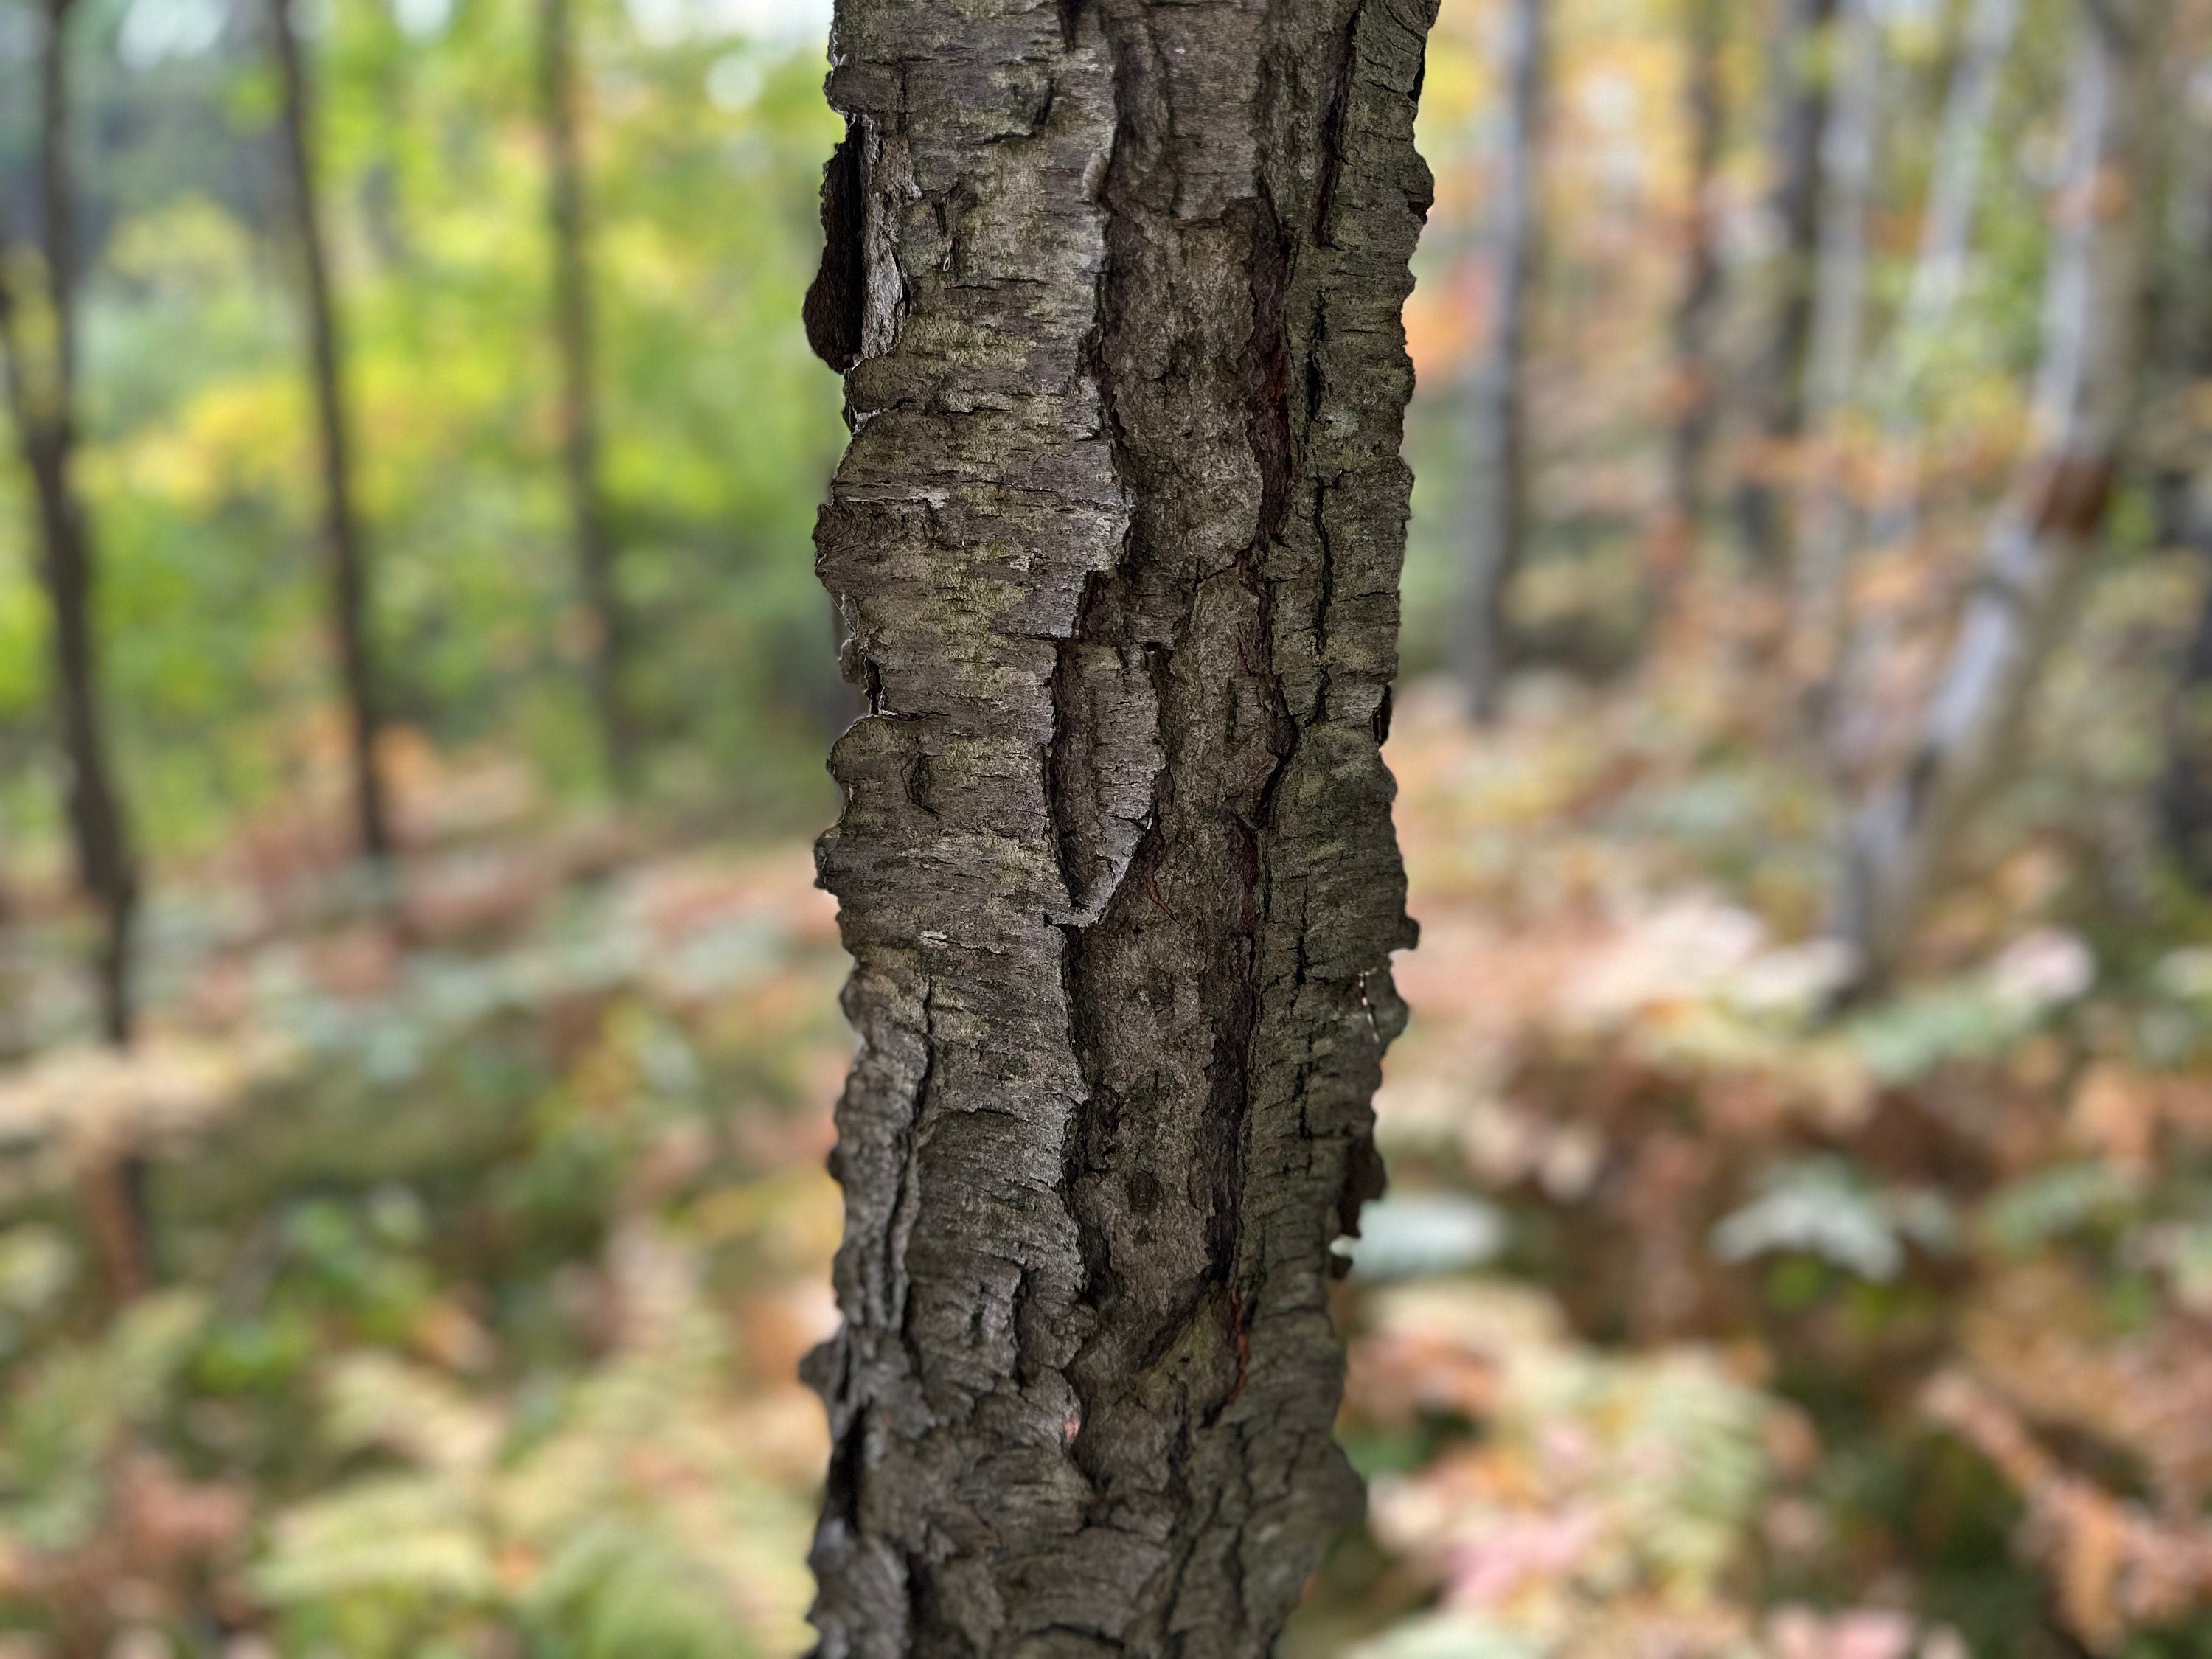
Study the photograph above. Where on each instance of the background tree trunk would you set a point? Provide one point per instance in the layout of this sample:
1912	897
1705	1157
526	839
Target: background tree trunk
1899	841
1822	556
1116	545
2183	318
42	400
574	336
1939	272
42	403
1697	384
343	543
1899	378
1778	384
1494	490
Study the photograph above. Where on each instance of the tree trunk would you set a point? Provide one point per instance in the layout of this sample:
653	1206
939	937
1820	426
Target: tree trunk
1495	487
343	543
574	335
1823	556
1899	842
42	403
1778	385
2183	518
1696	384
1899	378
1939	272
1116	546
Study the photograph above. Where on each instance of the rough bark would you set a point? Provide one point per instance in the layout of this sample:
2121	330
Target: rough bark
1822	555
574	339
1695	393
1900	840
1494	489
1116	545
42	406
344	541
1778	383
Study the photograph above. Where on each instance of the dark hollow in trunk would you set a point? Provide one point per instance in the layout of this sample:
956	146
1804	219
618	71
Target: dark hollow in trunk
574	338
344	541
1116	549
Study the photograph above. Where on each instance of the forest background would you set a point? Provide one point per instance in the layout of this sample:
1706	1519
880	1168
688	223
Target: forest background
1789	1257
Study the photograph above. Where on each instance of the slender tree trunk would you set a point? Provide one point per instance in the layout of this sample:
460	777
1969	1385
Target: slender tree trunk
1898	380
42	403
2183	348
2184	787
1117	547
344	541
1899	842
1778	385
1696	384
1939	272
576	334
1494	492
1823	555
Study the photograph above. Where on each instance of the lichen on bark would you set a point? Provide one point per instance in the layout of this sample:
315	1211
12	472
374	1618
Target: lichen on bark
1117	284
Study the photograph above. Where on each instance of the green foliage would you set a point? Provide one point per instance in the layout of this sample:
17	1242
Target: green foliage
719	424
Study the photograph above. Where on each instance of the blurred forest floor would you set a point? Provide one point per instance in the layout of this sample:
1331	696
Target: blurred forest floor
486	1241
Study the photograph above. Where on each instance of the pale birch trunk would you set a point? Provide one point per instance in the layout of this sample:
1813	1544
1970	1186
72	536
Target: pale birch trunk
1901	839
1898	377
1822	556
1939	270
1494	488
1116	285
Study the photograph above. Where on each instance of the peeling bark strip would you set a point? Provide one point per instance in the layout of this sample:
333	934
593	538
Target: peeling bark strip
1116	546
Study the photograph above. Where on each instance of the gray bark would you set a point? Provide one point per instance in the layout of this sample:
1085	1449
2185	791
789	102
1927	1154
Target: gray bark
344	541
1823	553
576	340
1777	382
1116	545
1900	840
1494	490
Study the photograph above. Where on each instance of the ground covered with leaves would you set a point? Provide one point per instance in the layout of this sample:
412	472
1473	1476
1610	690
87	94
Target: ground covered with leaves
489	1222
